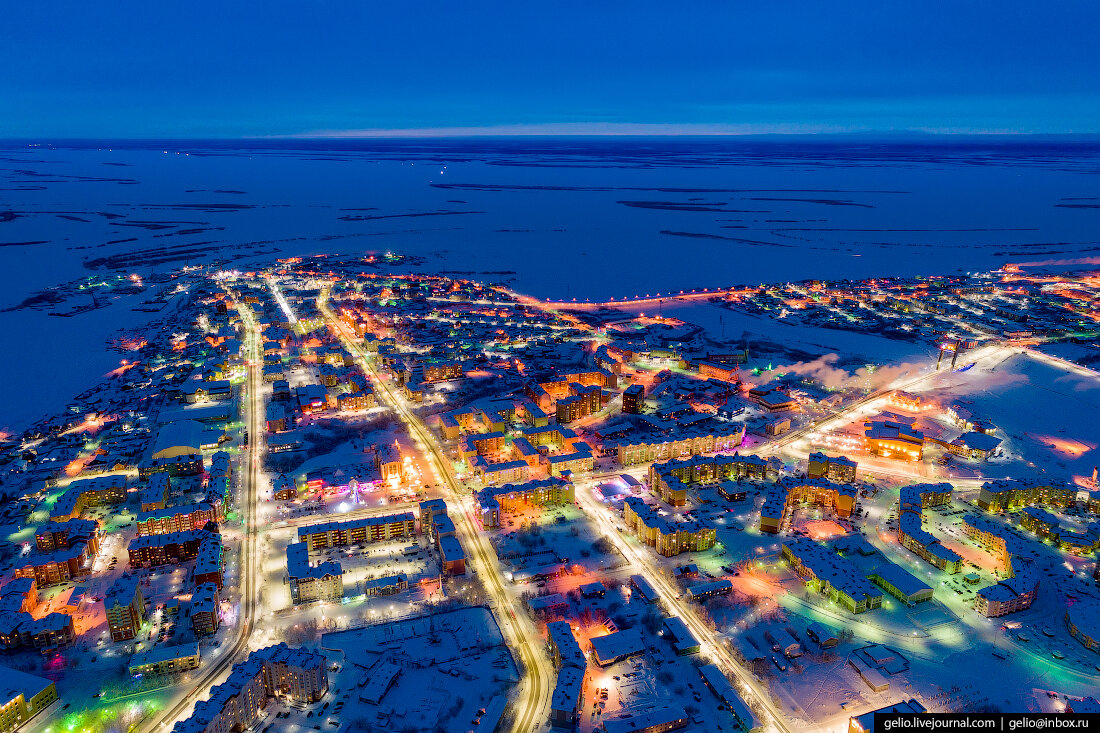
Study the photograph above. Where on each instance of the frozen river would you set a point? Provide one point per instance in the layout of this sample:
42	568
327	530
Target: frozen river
560	219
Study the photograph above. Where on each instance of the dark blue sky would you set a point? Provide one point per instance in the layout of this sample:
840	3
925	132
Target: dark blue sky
197	69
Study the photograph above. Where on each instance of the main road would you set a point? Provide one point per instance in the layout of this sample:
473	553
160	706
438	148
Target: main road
640	558
532	706
249	468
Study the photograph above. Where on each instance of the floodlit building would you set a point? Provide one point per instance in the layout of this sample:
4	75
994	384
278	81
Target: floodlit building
911	532
668	537
493	500
125	606
824	571
308	583
23	696
236	704
358	531
834	468
790	491
894	439
1005	494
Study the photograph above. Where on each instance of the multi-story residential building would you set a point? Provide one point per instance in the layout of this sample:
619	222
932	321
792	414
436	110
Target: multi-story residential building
688	442
582	401
667	537
1019	584
360	400
322	582
790	491
1006	494
911	532
155	495
89	492
905	400
23	696
358	531
165	660
236	704
19	595
60	535
125	606
208	561
492	500
20	629
74	560
165	549
1083	623
670	480
283	488
429	510
203	610
546	393
634	399
177	519
840	469
451	555
825	571
720	371
572	666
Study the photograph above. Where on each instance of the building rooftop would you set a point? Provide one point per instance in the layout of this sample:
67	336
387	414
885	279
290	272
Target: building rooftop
17	683
662	718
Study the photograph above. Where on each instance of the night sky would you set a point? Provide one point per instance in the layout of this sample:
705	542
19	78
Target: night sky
197	69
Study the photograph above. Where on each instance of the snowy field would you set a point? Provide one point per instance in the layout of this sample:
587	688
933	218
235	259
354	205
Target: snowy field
451	665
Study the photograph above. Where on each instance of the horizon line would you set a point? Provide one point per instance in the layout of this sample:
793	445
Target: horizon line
384	135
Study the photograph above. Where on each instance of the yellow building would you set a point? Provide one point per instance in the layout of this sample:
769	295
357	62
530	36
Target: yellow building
1005	494
667	537
790	491
835	468
493	500
162	660
893	439
689	444
22	696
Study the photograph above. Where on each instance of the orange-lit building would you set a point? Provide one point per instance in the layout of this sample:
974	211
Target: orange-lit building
358	531
790	491
894	439
668	537
835	468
